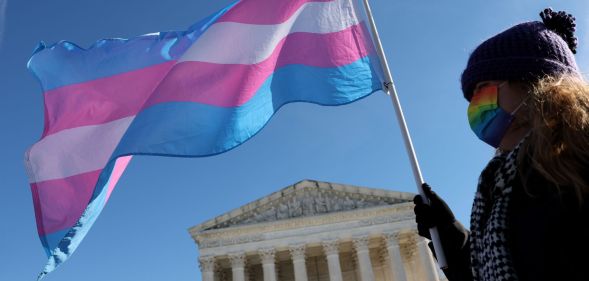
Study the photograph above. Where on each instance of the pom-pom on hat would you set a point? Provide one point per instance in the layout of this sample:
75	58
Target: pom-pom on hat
525	52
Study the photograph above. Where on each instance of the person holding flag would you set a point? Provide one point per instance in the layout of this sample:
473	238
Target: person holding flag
530	216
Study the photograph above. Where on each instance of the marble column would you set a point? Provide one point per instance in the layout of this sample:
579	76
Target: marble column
394	253
268	263
237	266
430	269
207	268
331	249
297	252
363	255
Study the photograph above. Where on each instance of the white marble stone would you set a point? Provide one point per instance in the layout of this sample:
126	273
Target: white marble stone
237	261
427	261
268	263
313	231
331	249
297	253
207	267
395	259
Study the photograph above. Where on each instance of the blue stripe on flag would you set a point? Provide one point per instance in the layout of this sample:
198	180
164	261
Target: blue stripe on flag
193	129
65	63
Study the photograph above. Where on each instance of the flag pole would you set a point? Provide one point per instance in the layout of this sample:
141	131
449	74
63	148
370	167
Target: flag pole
392	92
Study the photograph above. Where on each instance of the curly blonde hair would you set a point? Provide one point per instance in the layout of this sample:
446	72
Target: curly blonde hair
558	144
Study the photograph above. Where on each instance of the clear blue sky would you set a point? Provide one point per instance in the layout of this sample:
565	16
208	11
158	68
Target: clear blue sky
141	234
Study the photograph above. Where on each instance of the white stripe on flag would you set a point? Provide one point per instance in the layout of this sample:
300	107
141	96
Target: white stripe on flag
75	151
238	43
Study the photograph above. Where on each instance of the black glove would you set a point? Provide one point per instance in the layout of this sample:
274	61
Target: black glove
436	214
453	236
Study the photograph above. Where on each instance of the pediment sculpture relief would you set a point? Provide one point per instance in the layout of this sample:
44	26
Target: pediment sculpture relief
302	203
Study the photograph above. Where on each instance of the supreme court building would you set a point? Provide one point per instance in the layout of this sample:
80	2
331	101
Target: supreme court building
317	231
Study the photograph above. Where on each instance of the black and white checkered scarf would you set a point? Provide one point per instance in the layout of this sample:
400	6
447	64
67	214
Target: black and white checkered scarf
490	254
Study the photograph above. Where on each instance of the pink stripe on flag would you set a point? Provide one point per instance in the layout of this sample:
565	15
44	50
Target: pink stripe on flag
101	100
237	83
120	165
60	203
195	81
264	11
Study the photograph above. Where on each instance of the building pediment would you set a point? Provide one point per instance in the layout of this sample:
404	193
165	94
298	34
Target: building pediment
305	198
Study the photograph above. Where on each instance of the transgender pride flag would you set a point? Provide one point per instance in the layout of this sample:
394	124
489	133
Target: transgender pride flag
193	93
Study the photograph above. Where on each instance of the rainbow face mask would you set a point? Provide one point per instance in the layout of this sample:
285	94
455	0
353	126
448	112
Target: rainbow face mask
487	120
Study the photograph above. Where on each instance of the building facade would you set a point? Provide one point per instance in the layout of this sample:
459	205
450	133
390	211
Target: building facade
317	231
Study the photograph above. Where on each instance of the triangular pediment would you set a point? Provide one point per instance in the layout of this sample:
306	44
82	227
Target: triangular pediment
306	198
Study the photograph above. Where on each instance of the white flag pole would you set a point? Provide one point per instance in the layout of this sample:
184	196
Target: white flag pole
392	92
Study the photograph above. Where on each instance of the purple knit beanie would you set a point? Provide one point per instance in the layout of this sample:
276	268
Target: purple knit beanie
525	52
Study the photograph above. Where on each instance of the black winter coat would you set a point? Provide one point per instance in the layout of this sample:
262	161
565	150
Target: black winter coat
549	235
